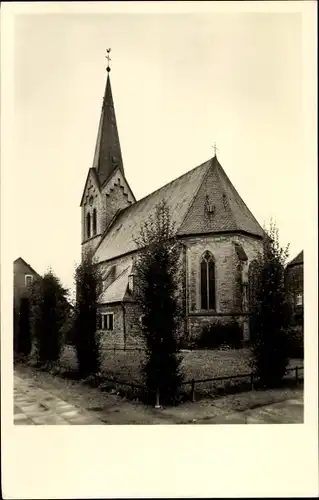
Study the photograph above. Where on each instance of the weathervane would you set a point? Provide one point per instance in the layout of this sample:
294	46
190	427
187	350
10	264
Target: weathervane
108	69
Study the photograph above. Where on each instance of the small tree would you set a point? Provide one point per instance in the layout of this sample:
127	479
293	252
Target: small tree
48	312
23	328
157	286
85	336
271	312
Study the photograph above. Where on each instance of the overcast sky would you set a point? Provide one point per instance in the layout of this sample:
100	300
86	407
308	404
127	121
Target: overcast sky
180	82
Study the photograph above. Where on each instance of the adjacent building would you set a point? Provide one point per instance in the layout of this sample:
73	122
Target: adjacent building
23	277
294	283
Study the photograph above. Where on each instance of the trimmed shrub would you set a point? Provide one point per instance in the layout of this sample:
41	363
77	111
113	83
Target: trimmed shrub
295	342
84	332
23	328
217	336
270	312
48	312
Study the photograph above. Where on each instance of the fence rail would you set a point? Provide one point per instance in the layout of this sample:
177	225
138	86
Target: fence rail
252	377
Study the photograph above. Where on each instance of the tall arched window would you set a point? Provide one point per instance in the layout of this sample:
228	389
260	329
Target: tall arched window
88	225
207	274
94	221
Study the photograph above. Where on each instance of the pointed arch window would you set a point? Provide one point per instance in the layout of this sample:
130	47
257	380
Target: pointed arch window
94	221
207	275
88	225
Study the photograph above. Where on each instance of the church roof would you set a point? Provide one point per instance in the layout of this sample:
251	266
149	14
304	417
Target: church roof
297	260
116	291
187	198
108	153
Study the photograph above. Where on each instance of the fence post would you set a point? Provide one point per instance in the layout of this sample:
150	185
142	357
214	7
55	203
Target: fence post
252	381
157	404
193	391
297	375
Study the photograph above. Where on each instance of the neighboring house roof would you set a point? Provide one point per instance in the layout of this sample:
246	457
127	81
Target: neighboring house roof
186	199
27	265
297	260
116	291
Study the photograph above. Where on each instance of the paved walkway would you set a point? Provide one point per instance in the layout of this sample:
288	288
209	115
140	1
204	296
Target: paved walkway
44	406
290	411
33	405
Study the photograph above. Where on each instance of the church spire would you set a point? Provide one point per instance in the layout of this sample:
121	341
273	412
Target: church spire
107	156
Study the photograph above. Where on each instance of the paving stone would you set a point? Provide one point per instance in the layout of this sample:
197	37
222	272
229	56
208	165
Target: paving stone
70	414
26	407
20	416
83	420
22	422
64	409
49	420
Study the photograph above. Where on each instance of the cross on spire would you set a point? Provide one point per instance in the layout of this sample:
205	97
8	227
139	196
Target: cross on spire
108	69
215	149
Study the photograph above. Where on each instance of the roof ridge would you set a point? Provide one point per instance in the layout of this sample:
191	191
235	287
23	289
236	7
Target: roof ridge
237	195
136	203
235	221
27	264
164	186
296	260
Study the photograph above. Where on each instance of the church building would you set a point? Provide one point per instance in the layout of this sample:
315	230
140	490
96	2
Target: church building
220	238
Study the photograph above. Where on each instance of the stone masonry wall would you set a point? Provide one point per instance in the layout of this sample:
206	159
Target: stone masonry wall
226	272
115	337
132	325
114	196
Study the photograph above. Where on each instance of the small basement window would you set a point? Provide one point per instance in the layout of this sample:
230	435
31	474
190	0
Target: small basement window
28	279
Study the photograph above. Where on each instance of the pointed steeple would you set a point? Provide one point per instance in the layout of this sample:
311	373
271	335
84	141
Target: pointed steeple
107	156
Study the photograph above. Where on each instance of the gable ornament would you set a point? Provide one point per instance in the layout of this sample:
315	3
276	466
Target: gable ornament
209	206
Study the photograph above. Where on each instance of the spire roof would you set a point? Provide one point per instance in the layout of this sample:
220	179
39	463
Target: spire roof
108	155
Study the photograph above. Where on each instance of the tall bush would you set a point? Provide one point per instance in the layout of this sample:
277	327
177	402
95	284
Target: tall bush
271	314
23	328
48	313
157	292
85	335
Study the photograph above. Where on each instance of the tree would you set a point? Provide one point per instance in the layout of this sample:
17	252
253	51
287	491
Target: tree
23	328
48	313
157	293
271	312
86	339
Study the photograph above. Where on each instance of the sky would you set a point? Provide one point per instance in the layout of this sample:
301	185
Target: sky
180	83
